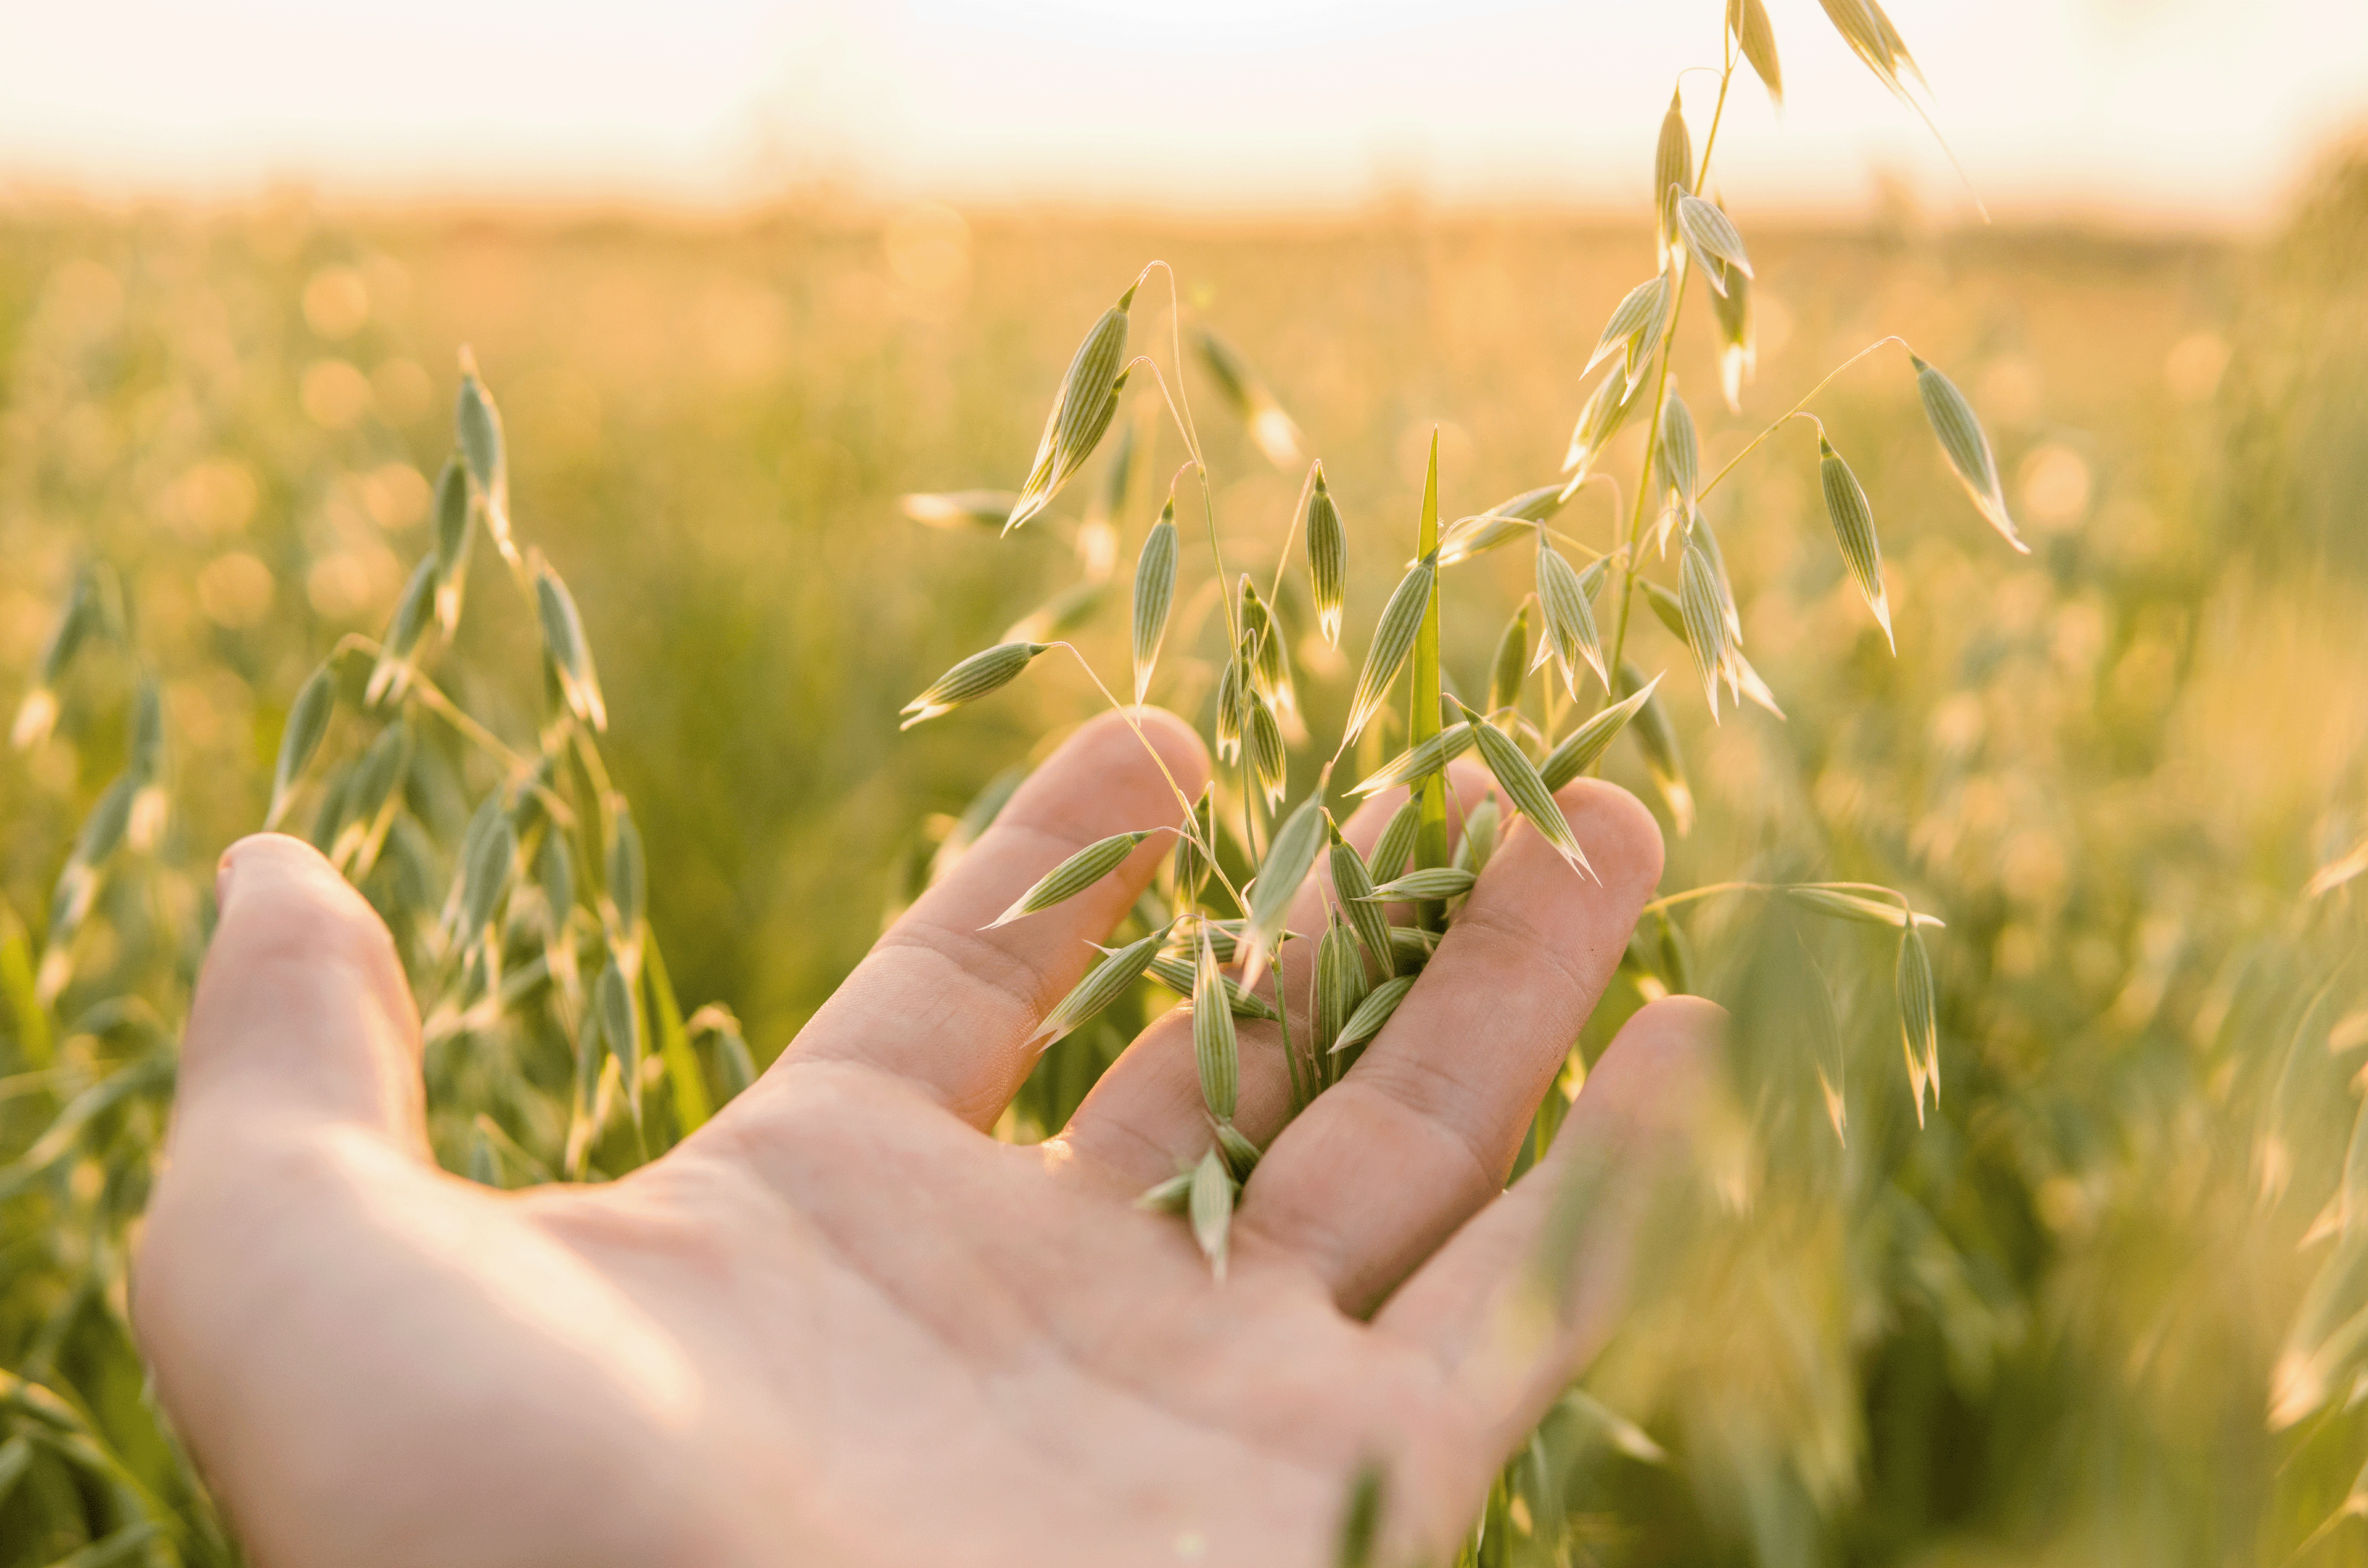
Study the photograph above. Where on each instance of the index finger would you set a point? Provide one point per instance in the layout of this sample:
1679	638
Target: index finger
945	1003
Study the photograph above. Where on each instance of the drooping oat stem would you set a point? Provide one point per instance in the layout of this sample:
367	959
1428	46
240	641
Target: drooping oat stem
1839	900
428	695
1179	405
1190	832
1299	513
1777	423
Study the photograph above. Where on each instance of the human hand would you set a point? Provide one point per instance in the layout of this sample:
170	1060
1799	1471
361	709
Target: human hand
841	1324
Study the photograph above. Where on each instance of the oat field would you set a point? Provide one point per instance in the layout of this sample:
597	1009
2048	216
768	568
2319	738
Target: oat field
2107	1302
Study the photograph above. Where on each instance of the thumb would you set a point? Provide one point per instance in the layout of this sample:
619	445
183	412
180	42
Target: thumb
301	1014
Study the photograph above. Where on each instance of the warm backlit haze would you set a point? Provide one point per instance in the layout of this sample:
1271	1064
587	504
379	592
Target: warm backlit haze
743	275
2189	110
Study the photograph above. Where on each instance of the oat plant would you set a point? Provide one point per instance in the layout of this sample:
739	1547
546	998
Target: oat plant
1550	713
513	878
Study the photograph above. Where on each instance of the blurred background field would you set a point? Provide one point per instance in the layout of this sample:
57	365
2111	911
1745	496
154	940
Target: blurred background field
711	426
2045	1327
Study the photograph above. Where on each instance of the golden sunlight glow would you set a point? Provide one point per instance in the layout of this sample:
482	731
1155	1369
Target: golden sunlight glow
2181	108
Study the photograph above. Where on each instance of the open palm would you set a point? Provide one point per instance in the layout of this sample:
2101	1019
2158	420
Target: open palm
841	1324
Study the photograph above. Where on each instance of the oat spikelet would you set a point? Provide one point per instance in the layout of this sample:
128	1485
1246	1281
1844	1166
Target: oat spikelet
1393	643
988	670
1081	412
1853	522
1968	447
1327	560
1576	754
1155	596
1074	875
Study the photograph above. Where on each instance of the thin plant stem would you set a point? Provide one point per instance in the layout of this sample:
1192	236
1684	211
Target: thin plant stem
433	699
1671	901
1690	895
1629	563
1208	851
437	702
1180	407
1755	443
1291	535
502	1141
1175	351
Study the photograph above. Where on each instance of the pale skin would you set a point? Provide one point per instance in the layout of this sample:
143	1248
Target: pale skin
842	1325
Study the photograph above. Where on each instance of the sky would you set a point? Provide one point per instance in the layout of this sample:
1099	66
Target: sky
2196	111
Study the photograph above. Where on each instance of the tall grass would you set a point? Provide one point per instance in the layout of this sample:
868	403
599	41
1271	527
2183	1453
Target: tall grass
2049	1324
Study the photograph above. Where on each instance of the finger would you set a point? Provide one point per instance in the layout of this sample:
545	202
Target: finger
951	1005
1146	1116
1508	1323
301	1011
1423	1130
